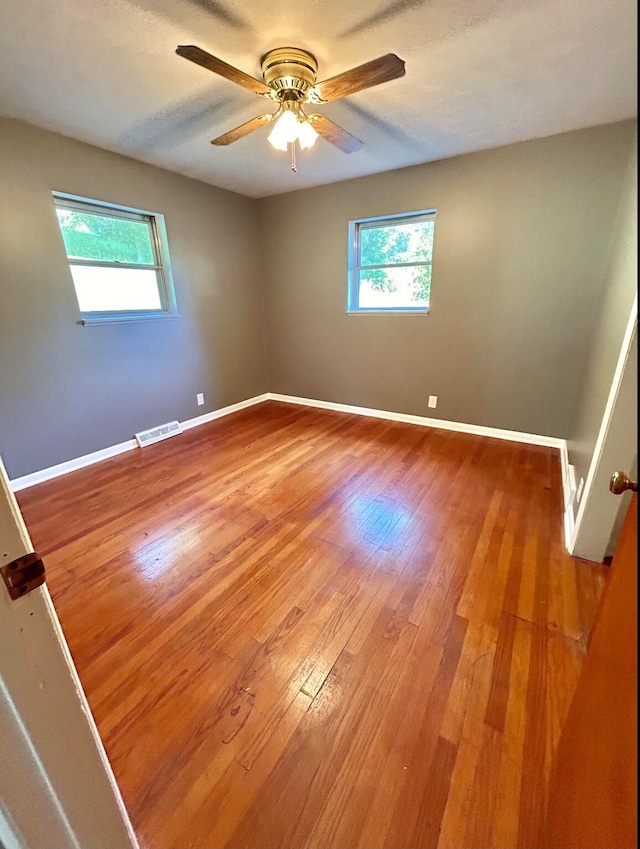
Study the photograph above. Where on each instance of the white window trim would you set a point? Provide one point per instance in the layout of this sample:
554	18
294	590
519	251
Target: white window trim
353	293
162	266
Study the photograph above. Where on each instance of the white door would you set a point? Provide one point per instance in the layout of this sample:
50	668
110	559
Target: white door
56	785
616	448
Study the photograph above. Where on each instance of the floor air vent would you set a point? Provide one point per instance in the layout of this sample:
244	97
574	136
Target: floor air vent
148	437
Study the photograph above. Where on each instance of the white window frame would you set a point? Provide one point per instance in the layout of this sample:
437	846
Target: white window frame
353	286
161	264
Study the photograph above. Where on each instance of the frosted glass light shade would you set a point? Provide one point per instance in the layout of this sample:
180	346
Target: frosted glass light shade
288	129
306	134
285	131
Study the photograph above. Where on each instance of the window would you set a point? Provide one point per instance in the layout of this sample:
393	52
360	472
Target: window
390	263
118	259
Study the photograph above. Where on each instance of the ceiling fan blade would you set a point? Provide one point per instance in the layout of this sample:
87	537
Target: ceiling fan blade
380	70
212	63
334	134
244	129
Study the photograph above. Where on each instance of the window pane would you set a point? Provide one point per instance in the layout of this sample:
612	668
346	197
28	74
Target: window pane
385	245
102	289
91	236
395	288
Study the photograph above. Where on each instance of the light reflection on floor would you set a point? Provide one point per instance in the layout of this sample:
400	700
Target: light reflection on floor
378	521
166	551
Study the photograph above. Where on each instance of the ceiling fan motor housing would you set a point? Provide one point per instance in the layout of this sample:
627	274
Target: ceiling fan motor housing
289	71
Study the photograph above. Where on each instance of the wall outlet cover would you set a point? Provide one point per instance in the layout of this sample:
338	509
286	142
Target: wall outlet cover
433	400
200	398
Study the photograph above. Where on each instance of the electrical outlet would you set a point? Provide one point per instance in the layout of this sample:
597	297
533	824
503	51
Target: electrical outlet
200	398
579	492
433	400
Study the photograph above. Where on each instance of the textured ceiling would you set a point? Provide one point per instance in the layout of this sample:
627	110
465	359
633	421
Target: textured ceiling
480	73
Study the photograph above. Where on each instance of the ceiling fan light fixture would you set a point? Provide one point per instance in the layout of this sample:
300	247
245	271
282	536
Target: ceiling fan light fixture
285	130
290	127
290	79
306	134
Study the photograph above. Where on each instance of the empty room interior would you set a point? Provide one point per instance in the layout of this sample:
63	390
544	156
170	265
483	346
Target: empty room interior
317	359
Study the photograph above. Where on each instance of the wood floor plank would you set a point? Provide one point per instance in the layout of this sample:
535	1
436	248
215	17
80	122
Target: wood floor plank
304	628
212	809
407	823
532	788
512	763
436	792
483	797
470	737
287	810
404	717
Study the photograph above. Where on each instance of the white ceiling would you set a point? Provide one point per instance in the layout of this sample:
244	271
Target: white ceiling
480	73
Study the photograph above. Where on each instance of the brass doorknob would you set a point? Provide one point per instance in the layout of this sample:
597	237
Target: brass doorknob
620	483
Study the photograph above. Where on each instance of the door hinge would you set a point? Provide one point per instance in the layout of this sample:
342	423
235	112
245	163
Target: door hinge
23	574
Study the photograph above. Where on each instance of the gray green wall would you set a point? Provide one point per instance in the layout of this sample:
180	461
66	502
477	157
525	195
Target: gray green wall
67	390
520	254
611	316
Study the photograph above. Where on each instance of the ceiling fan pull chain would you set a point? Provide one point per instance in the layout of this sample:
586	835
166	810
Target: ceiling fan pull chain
294	166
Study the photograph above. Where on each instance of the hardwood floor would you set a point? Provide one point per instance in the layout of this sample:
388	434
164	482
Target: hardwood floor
304	628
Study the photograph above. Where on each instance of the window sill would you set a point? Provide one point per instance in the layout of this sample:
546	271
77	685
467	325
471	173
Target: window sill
126	319
387	312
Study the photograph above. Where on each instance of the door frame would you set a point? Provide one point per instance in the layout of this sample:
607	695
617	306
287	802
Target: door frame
592	485
57	787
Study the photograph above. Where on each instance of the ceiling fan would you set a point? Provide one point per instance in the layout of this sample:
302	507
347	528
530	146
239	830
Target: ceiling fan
290	81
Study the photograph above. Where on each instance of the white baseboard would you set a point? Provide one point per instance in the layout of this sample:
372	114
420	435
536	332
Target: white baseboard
569	493
564	464
423	421
224	411
71	465
112	451
569	525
